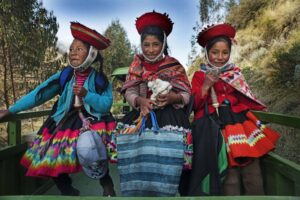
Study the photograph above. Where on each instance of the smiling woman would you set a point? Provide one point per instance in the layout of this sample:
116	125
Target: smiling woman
169	108
152	48
237	137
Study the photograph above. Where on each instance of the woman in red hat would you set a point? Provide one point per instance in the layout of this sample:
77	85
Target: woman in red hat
152	64
84	102
223	102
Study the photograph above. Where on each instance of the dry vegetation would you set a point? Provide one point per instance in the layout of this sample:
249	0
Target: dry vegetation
27	126
268	51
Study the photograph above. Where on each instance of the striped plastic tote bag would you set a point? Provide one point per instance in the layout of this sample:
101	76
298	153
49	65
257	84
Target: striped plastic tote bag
150	161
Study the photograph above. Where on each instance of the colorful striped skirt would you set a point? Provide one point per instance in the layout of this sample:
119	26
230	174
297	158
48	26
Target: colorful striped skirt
53	150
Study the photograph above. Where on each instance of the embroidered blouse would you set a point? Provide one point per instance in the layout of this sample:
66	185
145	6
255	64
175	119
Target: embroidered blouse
239	102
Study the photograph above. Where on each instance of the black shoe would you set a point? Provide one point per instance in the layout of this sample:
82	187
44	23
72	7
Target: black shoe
109	192
64	184
108	186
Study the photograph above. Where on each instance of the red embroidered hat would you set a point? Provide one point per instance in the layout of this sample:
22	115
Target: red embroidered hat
154	19
89	36
213	31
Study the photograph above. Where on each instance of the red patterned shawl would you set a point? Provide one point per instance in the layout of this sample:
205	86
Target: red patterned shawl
236	79
169	70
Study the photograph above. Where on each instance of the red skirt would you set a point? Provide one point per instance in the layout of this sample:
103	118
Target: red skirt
247	140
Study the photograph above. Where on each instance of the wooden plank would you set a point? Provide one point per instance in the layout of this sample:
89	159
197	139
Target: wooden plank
10	151
14	124
25	115
148	198
13	180
14	132
281	176
286	120
10	175
121	71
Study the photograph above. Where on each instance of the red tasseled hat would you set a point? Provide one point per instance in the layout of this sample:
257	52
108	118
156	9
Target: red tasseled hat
213	31
154	19
89	36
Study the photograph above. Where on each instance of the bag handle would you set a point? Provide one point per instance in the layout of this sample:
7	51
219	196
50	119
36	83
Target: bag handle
206	112
155	126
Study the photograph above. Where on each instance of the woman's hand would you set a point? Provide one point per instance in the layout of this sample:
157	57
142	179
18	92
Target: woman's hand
79	91
146	105
4	113
167	99
209	81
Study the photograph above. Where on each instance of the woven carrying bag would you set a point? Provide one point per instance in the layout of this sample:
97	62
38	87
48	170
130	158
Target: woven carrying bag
150	161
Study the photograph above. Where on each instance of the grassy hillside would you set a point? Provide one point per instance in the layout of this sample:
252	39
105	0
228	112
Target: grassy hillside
268	51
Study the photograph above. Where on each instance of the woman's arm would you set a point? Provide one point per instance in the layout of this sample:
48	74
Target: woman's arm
42	93
137	101
131	95
100	102
170	99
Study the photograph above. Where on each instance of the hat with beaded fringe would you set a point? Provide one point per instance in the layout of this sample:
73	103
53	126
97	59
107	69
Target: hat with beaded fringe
212	31
89	36
154	19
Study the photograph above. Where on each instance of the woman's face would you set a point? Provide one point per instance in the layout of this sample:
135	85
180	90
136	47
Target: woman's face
219	54
77	53
151	46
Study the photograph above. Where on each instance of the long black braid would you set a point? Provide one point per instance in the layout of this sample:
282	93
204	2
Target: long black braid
100	71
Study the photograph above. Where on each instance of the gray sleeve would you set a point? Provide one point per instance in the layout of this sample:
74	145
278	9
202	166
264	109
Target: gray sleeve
131	94
185	100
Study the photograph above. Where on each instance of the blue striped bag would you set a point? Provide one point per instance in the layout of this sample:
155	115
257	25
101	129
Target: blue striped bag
150	161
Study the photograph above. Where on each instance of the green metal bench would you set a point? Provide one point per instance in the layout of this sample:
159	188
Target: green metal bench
281	176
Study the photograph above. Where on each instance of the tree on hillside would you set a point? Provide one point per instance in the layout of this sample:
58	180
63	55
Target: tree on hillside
246	12
119	54
210	11
27	43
